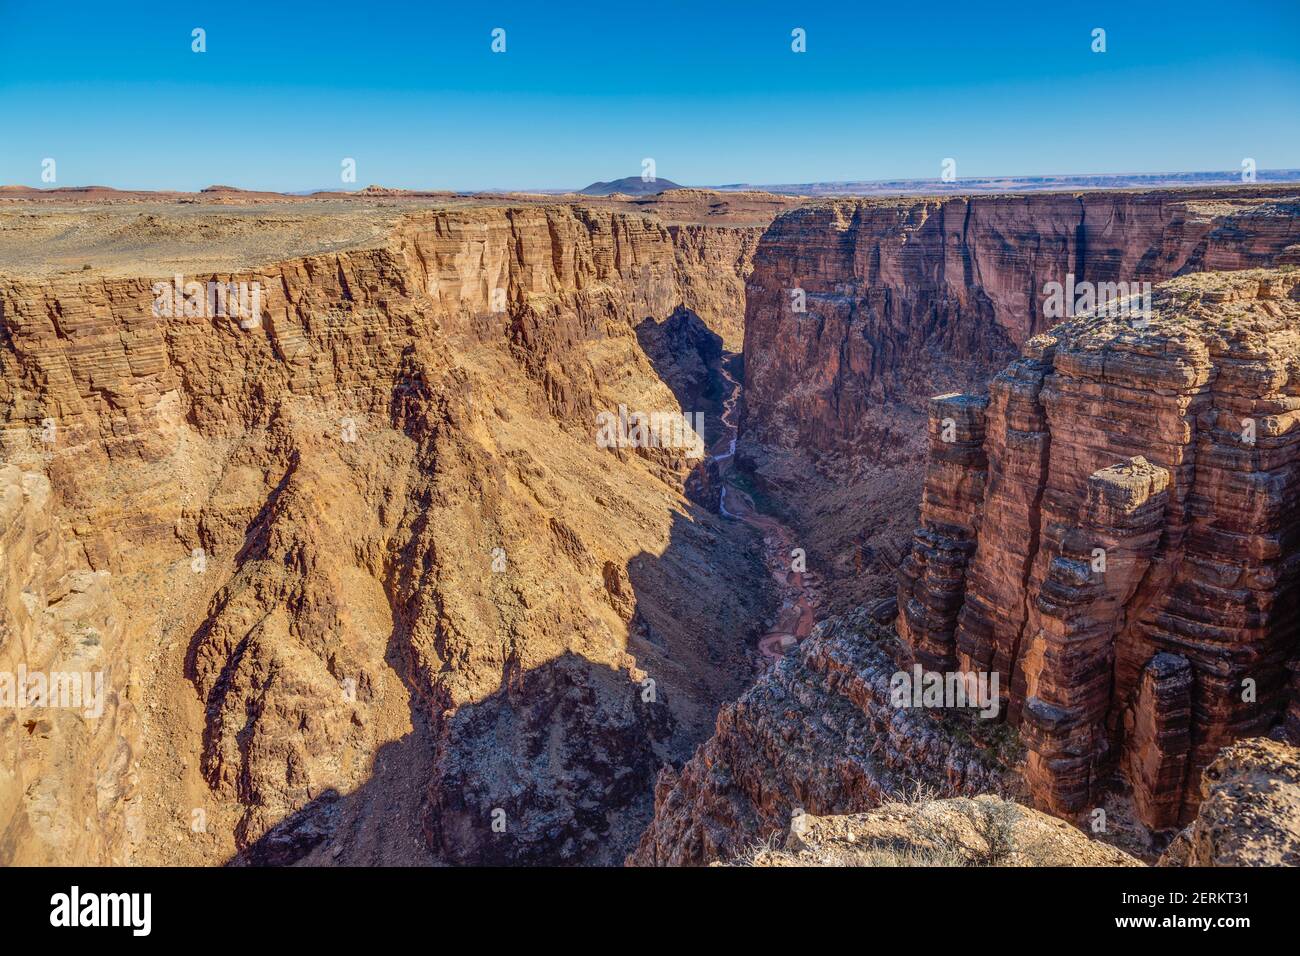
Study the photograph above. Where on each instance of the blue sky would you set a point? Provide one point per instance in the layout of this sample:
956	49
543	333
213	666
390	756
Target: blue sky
583	92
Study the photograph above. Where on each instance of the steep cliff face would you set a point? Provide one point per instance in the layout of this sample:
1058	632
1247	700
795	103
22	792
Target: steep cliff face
1129	569
364	588
714	266
1109	535
68	697
358	523
906	299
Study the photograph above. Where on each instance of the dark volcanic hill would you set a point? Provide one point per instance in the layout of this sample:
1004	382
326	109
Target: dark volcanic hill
631	186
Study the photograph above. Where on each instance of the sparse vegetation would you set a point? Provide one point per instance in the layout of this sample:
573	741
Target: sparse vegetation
997	741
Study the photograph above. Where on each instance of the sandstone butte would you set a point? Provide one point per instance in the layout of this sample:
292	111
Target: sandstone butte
363	586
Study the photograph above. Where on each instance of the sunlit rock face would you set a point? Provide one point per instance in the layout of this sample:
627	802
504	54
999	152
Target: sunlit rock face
1133	576
904	299
884	334
329	542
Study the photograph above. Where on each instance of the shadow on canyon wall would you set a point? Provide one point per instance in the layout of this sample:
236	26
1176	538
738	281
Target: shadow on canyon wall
557	766
686	355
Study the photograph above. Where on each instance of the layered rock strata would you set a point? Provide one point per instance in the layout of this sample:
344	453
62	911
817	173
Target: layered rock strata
853	303
1134	571
376	505
1161	739
933	575
1094	566
859	310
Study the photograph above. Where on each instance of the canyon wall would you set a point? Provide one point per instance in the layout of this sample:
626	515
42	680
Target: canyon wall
69	697
1098	534
904	299
876	398
1117	540
359	526
364	589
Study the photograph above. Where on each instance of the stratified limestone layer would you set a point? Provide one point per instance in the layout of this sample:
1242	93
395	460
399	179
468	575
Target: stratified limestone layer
904	298
1134	580
995	610
1159	739
1093	570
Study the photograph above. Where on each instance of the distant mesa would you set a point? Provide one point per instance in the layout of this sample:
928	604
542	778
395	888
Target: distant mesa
630	186
223	189
57	189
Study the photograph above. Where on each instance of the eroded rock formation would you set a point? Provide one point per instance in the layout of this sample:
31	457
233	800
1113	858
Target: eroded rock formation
364	590
1133	581
68	697
904	299
909	298
358	524
933	575
819	733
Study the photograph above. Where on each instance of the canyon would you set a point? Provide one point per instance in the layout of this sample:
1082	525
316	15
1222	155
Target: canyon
1014	499
366	590
362	562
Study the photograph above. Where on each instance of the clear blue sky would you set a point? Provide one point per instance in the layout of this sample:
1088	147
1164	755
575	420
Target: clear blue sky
710	90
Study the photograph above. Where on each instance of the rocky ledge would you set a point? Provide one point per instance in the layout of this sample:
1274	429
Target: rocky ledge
1250	816
1250	810
985	831
817	733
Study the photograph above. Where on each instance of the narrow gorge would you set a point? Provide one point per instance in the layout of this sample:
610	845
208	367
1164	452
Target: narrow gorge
1115	690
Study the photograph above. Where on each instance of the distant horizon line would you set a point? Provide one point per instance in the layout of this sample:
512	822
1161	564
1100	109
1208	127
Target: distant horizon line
1223	177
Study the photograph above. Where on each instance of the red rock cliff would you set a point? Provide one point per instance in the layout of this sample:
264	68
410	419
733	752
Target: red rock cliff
1129	570
905	299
